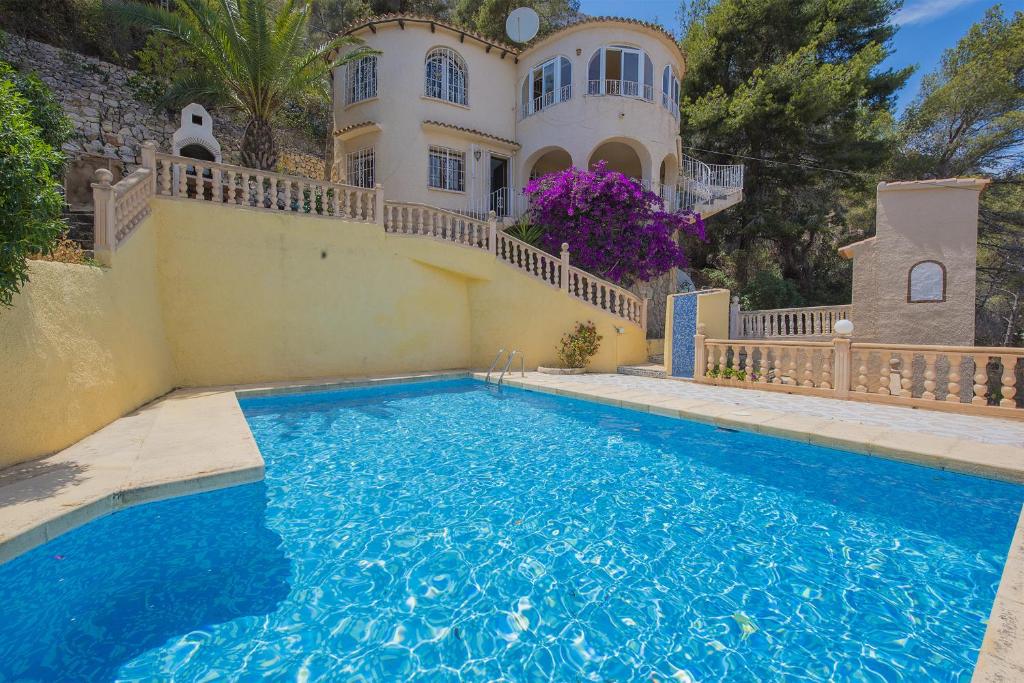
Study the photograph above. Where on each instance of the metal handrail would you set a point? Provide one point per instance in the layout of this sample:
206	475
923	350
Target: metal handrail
511	357
491	369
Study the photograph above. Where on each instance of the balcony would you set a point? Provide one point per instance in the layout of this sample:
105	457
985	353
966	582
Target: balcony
620	88
708	188
545	101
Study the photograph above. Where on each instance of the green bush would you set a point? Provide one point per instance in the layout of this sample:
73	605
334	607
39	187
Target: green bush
525	231
579	346
32	129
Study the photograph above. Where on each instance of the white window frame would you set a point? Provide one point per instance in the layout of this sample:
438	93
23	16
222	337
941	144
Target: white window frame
452	84
361	79
645	90
535	101
451	169
670	95
361	167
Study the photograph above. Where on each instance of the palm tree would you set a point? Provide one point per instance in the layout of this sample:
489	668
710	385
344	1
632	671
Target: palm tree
252	55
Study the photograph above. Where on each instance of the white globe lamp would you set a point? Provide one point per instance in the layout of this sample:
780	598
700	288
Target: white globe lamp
844	328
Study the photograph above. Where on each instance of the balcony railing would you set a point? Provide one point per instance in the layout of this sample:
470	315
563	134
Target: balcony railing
703	184
621	89
810	321
546	100
669	103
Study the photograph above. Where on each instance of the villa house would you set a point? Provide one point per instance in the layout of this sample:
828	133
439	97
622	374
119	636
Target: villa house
452	119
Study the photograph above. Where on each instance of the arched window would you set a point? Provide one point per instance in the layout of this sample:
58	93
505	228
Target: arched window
361	81
926	282
621	70
670	90
547	84
445	76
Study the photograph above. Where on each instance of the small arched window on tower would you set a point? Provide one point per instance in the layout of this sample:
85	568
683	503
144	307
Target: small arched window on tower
445	76
926	282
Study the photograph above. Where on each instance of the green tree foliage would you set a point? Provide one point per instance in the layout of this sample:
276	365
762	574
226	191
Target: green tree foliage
969	114
331	16
796	87
968	120
488	16
76	25
32	129
253	55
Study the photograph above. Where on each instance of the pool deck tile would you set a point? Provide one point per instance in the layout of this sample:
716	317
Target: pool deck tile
1002	652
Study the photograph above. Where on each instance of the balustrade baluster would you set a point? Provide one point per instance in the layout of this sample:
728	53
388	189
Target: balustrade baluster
862	373
929	377
980	380
778	365
826	369
953	380
763	365
809	368
710	352
1009	381
791	373
906	375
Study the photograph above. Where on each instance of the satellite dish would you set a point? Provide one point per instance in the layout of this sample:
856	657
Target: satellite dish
522	24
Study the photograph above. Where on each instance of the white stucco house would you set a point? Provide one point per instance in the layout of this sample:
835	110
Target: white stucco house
448	118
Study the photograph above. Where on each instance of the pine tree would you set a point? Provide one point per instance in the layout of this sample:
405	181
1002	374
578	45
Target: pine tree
790	88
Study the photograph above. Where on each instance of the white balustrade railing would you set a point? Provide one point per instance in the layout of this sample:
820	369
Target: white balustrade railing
401	218
965	379
703	184
606	296
119	208
621	88
542	102
185	178
810	321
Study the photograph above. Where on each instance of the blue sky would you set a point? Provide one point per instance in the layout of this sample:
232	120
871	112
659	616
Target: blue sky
927	27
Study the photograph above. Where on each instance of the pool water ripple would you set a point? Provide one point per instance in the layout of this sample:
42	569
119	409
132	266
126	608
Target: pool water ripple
449	531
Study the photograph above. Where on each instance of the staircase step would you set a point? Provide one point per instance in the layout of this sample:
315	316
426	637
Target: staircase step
643	370
657	359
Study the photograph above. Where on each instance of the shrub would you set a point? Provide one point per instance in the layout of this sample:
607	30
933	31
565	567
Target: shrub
31	130
525	231
614	228
579	346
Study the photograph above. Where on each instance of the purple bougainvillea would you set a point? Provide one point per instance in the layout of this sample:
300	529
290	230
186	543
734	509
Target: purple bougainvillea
614	228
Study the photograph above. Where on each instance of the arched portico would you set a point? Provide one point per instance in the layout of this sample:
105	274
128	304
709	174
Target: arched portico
547	160
626	156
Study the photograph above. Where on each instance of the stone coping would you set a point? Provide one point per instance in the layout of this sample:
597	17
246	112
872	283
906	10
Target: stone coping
1001	658
189	441
994	461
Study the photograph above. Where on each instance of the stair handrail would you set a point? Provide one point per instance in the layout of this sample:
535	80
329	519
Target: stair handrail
487	379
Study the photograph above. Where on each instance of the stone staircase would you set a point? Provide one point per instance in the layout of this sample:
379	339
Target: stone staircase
654	367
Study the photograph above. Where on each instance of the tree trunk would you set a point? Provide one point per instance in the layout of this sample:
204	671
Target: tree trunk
258	147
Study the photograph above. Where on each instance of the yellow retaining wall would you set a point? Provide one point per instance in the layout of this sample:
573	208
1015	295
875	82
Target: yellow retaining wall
81	346
203	294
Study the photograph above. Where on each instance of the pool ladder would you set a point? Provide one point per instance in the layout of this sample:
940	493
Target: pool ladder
511	357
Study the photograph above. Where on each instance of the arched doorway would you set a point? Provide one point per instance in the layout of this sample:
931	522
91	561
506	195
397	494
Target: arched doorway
668	178
550	161
620	157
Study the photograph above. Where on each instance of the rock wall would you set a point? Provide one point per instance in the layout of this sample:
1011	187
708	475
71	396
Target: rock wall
110	122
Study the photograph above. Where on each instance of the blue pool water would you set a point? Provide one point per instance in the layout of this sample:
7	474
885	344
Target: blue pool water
448	531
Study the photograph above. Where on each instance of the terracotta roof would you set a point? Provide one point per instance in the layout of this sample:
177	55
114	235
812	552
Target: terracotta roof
511	49
943	182
424	19
849	250
608	19
354	126
472	131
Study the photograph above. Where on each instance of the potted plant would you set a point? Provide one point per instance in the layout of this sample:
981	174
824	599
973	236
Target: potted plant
576	349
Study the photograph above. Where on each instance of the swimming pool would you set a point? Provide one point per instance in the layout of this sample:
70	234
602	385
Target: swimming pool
446	529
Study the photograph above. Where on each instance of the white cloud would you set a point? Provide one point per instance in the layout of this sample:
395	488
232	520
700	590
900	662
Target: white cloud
919	11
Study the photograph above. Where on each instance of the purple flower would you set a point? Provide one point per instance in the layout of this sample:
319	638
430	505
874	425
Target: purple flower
614	228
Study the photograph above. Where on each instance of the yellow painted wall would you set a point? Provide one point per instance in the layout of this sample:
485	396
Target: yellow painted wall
81	346
713	311
203	294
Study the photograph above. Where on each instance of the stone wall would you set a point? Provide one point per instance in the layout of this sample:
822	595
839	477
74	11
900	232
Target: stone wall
110	122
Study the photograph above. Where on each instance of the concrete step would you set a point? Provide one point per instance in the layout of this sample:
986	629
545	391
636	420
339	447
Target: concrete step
643	370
